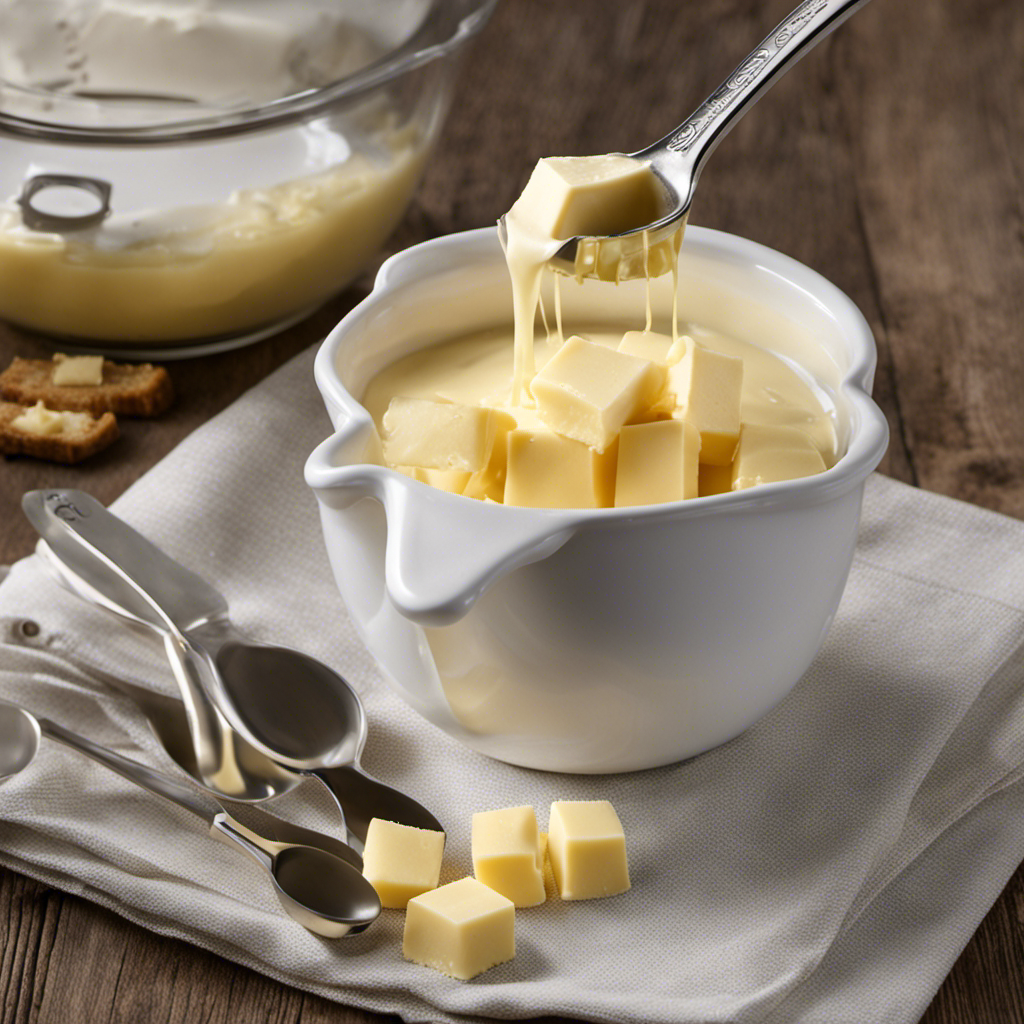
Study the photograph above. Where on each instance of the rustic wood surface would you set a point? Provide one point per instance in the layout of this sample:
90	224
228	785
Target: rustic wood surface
891	160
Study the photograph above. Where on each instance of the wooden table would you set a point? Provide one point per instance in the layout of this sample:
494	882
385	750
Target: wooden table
891	160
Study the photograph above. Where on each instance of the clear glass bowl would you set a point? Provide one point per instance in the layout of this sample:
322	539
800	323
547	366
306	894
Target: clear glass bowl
174	180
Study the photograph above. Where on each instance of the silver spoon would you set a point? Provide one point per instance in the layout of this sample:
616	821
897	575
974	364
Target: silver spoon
226	763
316	723
679	157
325	894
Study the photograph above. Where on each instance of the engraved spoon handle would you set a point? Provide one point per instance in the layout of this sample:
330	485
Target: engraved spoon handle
681	155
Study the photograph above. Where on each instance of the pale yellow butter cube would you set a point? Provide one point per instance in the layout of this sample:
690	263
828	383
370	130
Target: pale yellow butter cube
657	462
713	479
658	348
77	371
400	861
507	854
550	886
547	470
588	391
460	929
452	480
593	195
437	435
489	483
707	386
767	454
587	849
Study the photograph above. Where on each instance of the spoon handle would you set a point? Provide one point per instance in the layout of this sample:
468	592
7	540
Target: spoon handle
133	578
148	778
133	575
690	145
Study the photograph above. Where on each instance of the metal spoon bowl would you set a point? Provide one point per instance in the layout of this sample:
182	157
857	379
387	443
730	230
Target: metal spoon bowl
323	892
679	157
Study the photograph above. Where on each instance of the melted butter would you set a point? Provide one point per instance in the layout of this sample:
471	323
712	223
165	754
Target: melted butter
199	272
591	198
478	370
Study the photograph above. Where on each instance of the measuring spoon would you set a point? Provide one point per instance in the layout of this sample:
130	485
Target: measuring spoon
324	893
287	706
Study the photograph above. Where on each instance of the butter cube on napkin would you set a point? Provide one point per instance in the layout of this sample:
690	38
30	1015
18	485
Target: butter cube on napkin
587	849
587	391
460	929
550	471
438	435
767	454
657	462
400	861
707	386
507	854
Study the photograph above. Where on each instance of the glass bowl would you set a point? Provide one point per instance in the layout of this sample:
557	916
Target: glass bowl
178	180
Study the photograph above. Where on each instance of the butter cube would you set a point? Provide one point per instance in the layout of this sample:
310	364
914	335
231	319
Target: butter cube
489	483
77	371
550	886
593	195
657	462
547	470
713	479
707	386
587	391
587	848
767	454
507	854
452	480
400	861
438	435
657	348
460	929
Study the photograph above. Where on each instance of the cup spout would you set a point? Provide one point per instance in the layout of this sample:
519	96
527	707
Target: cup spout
442	550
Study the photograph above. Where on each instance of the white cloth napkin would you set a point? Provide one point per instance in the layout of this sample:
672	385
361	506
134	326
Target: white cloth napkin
826	866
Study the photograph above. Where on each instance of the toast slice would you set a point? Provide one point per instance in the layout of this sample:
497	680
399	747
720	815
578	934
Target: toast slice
80	435
127	390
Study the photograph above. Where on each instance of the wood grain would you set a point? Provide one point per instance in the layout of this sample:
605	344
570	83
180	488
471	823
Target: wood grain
891	160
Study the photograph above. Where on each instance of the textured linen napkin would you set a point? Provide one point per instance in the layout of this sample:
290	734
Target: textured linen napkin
828	865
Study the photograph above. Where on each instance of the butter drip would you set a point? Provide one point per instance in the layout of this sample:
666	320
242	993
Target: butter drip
568	197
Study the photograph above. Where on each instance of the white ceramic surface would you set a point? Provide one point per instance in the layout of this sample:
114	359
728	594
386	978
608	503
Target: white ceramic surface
596	640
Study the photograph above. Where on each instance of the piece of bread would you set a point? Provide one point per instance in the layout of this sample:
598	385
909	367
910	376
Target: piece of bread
83	436
128	390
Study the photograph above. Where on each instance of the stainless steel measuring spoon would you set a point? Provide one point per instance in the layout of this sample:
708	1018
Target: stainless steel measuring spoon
287	706
323	892
679	157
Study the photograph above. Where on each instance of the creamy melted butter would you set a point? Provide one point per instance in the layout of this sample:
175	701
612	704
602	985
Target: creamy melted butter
599	419
198	272
478	370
